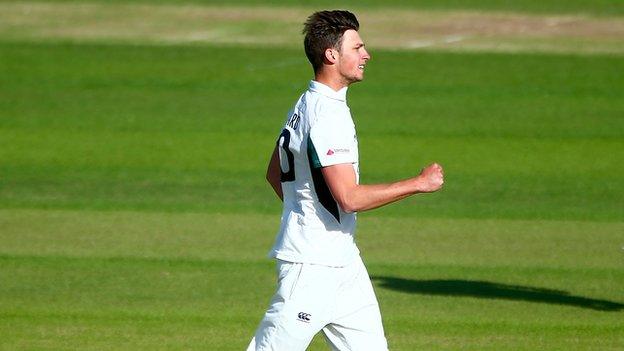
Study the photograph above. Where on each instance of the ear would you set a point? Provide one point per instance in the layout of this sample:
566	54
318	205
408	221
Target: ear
331	55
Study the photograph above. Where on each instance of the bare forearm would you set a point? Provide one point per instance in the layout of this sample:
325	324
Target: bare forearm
273	174
353	197
367	197
277	187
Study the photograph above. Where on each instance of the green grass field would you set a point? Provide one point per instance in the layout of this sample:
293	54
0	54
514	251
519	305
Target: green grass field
595	7
134	214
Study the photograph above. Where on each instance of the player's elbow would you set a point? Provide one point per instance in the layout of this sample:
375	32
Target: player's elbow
348	209
347	198
347	204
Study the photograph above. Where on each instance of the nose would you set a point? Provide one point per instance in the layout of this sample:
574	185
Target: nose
366	56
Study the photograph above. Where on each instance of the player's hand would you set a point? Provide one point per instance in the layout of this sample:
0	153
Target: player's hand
430	179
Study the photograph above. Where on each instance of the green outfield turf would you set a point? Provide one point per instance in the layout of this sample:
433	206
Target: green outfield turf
595	7
127	280
134	214
117	127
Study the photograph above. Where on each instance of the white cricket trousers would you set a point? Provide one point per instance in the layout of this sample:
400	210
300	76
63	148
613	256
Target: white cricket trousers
340	301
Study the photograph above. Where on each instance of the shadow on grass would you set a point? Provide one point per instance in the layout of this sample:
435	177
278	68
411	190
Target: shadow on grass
490	290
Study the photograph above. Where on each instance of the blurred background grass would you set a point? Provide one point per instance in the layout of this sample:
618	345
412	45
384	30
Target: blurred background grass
597	7
105	127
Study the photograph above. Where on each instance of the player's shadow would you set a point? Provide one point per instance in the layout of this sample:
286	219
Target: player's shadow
488	290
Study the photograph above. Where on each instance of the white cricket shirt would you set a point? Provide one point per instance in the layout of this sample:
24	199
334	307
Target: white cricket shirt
318	132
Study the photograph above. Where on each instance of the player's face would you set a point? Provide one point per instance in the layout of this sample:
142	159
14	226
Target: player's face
353	57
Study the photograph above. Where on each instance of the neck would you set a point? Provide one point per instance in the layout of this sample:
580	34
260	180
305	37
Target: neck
331	80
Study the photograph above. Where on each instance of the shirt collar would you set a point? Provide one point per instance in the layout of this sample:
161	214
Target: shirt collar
340	95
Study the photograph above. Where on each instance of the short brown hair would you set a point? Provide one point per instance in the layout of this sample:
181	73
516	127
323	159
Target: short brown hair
323	30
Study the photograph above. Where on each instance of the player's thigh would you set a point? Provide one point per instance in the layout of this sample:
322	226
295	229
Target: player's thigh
357	324
362	330
297	311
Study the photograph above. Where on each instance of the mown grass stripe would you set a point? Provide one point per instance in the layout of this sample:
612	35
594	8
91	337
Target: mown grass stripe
277	26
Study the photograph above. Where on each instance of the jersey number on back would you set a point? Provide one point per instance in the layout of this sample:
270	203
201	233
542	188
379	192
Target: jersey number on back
283	141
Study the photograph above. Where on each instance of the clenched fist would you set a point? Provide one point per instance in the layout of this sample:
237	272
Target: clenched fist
430	179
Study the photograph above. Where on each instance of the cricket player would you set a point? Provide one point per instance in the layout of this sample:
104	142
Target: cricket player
322	284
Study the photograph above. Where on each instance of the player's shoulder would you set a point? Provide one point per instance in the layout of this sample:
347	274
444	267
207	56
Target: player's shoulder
316	106
309	107
325	109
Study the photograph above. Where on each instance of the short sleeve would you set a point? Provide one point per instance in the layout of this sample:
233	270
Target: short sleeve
332	141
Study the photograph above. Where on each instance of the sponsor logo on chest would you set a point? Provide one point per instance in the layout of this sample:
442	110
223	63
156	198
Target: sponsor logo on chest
331	152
